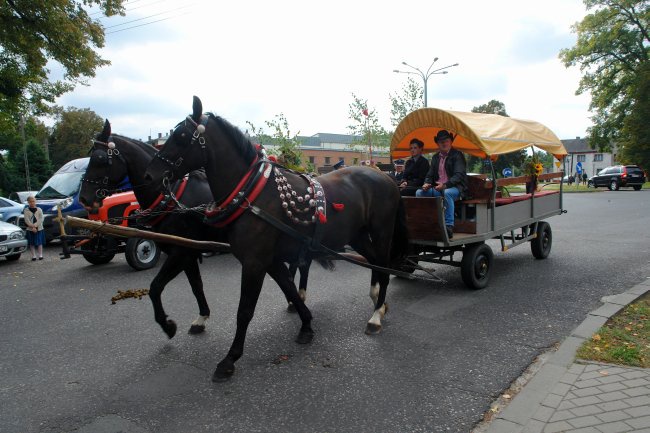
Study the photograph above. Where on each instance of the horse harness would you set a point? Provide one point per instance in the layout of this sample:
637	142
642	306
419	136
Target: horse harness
106	158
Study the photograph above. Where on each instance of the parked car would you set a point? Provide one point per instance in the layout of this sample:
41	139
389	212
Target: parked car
10	210
21	196
61	190
619	176
12	241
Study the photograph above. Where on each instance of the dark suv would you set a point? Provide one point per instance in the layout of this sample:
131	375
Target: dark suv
619	176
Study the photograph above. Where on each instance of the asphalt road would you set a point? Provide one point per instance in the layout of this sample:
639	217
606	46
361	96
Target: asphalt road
71	361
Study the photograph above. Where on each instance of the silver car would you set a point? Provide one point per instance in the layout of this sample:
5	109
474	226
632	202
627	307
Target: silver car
12	241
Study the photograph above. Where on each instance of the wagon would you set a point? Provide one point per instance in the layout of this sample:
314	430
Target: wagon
484	214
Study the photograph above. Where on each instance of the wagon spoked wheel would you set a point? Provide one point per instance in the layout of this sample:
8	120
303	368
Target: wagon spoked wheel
476	266
541	245
141	254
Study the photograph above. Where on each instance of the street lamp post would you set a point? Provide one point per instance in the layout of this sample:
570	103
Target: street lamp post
425	76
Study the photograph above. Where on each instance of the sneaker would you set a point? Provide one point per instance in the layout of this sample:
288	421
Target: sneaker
33	259
40	258
450	231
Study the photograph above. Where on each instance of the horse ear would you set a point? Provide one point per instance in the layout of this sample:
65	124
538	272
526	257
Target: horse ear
197	109
106	132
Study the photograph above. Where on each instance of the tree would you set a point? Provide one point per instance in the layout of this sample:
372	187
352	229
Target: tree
409	100
72	134
612	50
35	32
285	145
365	124
634	147
512	160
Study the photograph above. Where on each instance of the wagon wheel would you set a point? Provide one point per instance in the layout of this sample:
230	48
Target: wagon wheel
541	245
141	253
476	265
99	251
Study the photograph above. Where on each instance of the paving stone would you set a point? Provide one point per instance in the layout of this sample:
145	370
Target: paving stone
592	399
568	405
503	426
587	383
613	378
607	310
635	392
552	400
543	413
584	421
638	412
592	409
611	396
592	367
561	415
583	430
634	374
615	370
613	405
534	426
643	430
576	368
624	299
614	427
643	422
616	415
612	387
638	401
592	390
633	383
557	427
590	325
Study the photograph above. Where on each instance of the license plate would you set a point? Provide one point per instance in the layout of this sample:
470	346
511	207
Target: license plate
3	248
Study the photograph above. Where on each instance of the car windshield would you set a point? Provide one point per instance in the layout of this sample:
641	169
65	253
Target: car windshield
635	171
61	185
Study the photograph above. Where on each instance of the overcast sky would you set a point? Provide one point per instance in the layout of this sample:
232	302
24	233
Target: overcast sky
251	60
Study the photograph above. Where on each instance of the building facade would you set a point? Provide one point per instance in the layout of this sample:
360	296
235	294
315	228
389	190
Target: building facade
592	160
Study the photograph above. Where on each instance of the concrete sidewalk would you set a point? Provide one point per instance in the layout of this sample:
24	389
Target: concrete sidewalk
582	397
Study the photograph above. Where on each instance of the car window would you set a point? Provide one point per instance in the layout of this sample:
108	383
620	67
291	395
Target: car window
4	203
605	170
635	170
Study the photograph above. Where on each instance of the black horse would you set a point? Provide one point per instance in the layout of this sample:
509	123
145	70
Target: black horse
113	159
363	209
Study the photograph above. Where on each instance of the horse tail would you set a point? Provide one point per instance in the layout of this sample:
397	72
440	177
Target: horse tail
328	265
400	244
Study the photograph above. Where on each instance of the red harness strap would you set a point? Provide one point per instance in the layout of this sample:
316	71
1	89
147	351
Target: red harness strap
178	194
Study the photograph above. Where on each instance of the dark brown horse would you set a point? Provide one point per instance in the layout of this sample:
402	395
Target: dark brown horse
363	209
115	158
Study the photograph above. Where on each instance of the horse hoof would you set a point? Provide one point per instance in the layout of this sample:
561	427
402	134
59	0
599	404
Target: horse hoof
372	329
196	329
305	337
291	308
170	328
222	374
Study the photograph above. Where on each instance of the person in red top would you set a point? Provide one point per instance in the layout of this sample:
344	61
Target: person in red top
447	177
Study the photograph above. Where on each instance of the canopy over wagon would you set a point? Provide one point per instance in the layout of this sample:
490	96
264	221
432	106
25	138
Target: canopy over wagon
478	134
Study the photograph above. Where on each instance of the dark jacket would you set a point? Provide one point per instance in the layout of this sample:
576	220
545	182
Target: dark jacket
455	168
415	172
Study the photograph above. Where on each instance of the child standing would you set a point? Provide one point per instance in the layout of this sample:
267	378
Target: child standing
35	233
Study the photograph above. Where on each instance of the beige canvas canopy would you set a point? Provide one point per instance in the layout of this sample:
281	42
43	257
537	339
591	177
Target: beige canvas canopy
482	135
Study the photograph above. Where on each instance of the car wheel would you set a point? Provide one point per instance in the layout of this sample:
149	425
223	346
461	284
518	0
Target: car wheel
590	184
613	185
141	254
637	187
13	257
476	265
13	221
541	245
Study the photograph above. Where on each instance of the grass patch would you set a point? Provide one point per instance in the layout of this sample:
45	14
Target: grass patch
624	339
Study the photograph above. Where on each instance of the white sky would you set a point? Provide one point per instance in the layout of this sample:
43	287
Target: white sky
252	59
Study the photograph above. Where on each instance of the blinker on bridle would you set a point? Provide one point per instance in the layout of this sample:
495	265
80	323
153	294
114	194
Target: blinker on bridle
197	135
110	151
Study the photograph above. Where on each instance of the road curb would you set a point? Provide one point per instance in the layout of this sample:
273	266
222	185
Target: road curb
535	404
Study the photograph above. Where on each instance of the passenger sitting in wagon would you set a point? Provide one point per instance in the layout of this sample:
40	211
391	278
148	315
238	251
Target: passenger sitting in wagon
415	170
447	177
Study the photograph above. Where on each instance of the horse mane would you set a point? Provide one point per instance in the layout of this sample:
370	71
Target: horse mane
145	146
241	141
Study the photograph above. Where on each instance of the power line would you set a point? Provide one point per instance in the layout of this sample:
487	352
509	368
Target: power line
146	24
147	17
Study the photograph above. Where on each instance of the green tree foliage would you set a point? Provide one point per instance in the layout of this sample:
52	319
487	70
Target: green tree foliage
612	50
72	133
365	124
35	32
513	160
634	146
410	99
286	146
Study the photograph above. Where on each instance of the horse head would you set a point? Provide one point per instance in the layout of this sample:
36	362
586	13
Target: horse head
107	170
203	141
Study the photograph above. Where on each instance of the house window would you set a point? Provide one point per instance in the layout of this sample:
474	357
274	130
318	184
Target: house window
598	157
328	160
582	158
312	159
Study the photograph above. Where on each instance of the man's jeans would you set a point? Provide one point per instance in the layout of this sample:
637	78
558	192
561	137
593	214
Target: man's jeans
450	194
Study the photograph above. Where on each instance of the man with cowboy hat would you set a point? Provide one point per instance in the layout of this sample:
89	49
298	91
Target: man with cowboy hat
447	177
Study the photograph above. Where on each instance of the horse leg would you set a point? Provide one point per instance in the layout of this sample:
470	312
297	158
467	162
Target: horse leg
194	277
168	271
278	271
377	252
302	285
251	285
